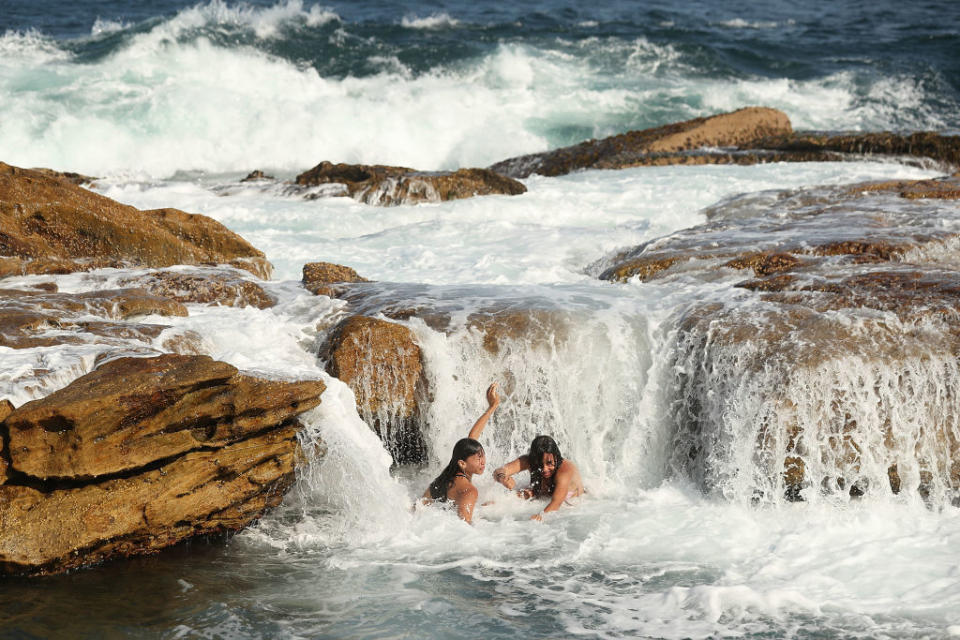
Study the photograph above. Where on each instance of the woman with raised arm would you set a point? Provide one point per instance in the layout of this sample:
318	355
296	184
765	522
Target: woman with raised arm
550	475
454	482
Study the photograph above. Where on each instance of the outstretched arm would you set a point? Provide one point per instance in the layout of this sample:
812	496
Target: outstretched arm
504	474
494	401
559	493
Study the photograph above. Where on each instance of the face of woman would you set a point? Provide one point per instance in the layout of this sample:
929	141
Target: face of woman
549	463
475	464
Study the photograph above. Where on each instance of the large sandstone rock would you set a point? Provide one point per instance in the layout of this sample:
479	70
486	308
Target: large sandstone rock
49	225
741	128
133	411
381	362
385	185
140	454
201	493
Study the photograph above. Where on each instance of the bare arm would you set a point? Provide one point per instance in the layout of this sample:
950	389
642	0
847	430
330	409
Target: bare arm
559	491
494	401
504	474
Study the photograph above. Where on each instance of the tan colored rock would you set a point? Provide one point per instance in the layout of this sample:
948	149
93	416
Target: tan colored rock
131	412
741	128
209	286
318	277
381	362
203	492
50	225
385	186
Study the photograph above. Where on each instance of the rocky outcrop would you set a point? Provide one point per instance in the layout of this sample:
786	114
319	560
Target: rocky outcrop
384	185
140	454
661	145
381	362
846	281
850	221
49	225
223	286
321	278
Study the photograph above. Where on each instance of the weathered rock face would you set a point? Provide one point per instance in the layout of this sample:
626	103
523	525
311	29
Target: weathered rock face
804	386
50	225
320	278
385	185
381	362
741	128
222	286
140	454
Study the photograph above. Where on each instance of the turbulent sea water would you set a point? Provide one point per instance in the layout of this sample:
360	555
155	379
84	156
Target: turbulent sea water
170	103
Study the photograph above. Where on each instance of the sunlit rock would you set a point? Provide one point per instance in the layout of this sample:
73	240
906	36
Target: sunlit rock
131	412
384	186
208	491
382	363
661	145
140	454
50	225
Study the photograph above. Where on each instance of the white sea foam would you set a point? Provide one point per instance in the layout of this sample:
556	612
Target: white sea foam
166	102
433	21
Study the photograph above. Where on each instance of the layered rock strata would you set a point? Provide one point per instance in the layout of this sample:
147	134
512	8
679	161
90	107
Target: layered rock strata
50	225
385	185
140	454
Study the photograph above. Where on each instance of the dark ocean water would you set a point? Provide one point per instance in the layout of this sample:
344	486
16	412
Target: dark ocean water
591	69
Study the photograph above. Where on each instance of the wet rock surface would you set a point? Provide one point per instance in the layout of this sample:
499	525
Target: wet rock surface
50	225
837	282
385	185
382	363
142	453
224	286
34	318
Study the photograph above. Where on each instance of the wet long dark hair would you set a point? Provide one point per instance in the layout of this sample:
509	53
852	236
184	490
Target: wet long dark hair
464	448
540	446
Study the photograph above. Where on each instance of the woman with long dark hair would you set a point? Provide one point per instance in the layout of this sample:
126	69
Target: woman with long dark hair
468	458
550	475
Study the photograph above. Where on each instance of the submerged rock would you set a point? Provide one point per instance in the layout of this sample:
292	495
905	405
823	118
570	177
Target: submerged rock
140	454
222	286
661	145
37	319
49	225
384	185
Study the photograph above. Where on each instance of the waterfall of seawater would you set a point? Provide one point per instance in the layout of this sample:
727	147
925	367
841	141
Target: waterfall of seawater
739	402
